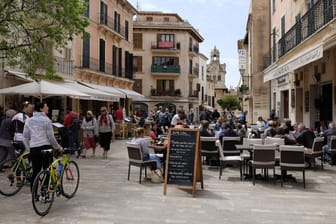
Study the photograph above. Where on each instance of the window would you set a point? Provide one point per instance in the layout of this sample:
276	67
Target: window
126	30
202	73
101	55
67	54
166	37
86	51
114	60
137	40
165	61
149	18
273	6
166	19
137	86
103	13
117	22
190	67
137	63
128	65
283	25
190	44
87	11
165	86
120	62
219	78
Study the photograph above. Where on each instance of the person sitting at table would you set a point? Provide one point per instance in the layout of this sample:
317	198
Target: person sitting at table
306	138
227	131
280	133
155	131
205	130
270	131
144	143
326	148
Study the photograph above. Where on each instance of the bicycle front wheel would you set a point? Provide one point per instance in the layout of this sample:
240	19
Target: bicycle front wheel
12	177
70	180
42	195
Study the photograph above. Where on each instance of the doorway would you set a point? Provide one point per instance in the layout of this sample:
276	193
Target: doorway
326	104
285	104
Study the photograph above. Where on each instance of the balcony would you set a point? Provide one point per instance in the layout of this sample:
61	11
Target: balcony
165	93
193	93
193	50
106	68
194	72
111	25
316	18
63	65
165	69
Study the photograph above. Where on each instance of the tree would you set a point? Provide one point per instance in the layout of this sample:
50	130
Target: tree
229	103
30	29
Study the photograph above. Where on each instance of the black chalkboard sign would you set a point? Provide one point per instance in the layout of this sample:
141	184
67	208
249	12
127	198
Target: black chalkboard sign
182	158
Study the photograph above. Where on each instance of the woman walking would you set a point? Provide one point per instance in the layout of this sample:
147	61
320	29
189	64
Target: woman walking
90	129
105	127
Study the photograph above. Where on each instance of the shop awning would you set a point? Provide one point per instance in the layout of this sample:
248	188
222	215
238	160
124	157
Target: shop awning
107	89
19	75
44	89
132	94
94	93
298	61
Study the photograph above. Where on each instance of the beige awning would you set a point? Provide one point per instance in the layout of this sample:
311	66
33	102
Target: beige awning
107	89
132	94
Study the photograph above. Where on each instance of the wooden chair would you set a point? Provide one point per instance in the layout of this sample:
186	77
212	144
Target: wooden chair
292	158
209	148
136	159
228	154
263	158
316	150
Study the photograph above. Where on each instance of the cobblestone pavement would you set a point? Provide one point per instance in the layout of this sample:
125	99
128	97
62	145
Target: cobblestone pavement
106	196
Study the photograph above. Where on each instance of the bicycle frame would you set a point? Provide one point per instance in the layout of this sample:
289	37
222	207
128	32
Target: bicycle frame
21	160
55	177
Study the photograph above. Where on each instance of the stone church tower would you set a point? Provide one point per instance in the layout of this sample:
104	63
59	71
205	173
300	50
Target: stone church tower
216	72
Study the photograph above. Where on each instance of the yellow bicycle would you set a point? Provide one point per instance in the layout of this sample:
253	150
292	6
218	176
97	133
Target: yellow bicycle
15	173
61	177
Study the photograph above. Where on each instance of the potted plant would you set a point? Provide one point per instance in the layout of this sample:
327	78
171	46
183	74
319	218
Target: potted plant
177	92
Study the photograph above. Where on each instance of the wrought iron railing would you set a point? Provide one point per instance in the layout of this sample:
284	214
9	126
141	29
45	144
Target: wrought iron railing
107	68
322	12
63	65
111	23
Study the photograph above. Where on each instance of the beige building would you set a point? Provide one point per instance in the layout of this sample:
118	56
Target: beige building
302	55
103	57
256	42
166	61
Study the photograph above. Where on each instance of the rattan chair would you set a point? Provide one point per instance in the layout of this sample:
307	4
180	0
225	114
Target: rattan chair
292	158
263	158
136	159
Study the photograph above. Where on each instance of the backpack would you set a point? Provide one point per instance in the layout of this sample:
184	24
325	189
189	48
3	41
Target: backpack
75	123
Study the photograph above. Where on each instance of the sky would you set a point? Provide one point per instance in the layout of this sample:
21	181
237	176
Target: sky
220	22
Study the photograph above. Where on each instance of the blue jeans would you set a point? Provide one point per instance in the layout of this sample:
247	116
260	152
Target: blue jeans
156	159
326	153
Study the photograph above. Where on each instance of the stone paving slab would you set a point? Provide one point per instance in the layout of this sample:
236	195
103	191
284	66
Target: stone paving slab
106	196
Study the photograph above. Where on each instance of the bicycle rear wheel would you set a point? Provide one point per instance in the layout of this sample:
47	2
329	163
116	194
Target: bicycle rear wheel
70	180
42	197
12	177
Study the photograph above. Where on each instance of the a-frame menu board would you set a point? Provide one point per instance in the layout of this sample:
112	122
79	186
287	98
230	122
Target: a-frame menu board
183	164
